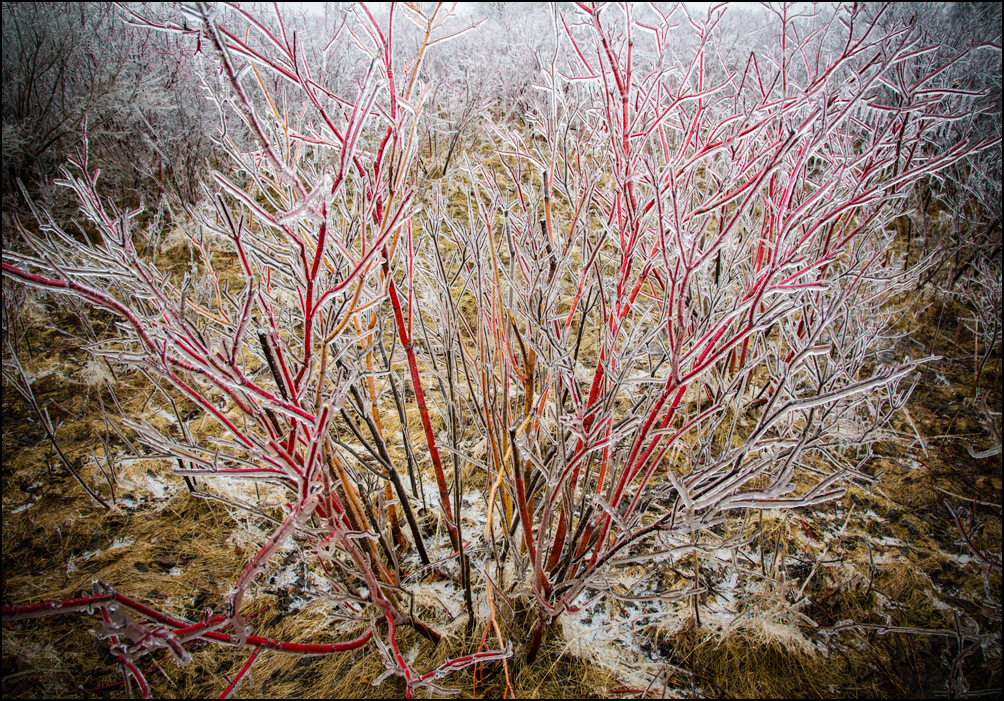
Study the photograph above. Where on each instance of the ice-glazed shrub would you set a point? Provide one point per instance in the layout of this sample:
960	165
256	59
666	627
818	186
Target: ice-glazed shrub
648	307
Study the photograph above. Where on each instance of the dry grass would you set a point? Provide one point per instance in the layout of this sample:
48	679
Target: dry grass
897	563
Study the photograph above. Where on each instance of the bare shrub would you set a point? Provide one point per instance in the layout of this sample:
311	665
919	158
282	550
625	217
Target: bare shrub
651	313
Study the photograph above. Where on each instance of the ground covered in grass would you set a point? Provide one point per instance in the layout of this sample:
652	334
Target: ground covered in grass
873	595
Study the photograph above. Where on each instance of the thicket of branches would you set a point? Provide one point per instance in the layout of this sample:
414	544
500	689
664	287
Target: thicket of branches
72	67
620	288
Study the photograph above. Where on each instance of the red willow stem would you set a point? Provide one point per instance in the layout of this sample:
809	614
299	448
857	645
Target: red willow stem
96	297
53	608
235	682
416	381
615	320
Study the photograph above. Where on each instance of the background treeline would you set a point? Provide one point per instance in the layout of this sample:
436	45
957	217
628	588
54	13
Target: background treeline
141	94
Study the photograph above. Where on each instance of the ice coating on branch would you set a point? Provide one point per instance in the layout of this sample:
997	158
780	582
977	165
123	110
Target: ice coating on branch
308	207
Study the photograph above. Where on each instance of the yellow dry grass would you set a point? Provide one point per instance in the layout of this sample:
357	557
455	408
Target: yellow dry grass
898	563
